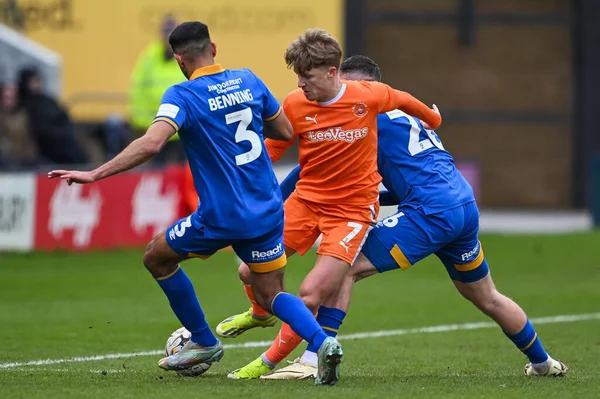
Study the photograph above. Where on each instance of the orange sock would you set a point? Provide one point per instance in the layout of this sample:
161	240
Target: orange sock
285	343
256	309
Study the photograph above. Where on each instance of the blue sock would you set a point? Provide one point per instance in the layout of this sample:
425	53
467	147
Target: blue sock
291	310
182	298
330	319
529	343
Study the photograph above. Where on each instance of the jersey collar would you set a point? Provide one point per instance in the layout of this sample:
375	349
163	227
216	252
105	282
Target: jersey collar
336	98
207	70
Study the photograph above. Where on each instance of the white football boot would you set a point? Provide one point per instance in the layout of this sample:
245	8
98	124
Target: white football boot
297	370
554	368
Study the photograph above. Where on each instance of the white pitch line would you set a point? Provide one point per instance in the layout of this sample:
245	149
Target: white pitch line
373	334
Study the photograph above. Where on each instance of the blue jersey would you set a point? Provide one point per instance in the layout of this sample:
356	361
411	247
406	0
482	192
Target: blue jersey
416	168
219	115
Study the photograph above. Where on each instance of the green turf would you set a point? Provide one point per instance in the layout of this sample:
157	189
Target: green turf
60	305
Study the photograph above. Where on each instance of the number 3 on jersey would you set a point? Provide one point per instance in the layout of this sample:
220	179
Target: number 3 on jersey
244	117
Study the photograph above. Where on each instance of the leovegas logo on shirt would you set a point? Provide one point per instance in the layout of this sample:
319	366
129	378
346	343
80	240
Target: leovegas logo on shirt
338	134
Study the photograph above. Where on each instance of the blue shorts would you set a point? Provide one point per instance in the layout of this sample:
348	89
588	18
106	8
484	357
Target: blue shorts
262	254
410	235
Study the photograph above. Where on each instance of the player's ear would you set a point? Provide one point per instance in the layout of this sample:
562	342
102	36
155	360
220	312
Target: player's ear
178	58
214	49
332	72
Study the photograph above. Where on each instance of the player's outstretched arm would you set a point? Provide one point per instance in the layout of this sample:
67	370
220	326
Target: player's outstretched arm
431	118
437	111
136	153
391	99
279	128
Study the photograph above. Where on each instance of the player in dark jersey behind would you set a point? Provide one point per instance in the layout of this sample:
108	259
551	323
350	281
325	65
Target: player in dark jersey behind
437	215
221	116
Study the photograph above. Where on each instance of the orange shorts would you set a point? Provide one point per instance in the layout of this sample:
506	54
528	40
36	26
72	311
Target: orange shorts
344	227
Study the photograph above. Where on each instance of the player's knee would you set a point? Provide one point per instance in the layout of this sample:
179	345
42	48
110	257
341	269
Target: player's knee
152	261
487	301
149	259
311	298
244	273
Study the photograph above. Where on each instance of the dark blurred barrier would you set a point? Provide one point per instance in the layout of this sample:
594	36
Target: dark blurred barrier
595	190
501	72
586	140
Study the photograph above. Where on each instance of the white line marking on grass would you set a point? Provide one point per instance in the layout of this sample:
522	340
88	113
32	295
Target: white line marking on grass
51	370
373	334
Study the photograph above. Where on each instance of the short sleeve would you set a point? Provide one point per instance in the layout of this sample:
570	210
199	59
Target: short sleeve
172	109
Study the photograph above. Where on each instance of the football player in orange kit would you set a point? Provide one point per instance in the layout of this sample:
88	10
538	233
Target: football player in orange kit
337	194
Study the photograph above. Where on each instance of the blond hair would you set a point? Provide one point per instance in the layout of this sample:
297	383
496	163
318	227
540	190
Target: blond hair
313	49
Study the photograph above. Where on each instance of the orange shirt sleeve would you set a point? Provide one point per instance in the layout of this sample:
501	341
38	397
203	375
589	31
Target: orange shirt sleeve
276	148
391	99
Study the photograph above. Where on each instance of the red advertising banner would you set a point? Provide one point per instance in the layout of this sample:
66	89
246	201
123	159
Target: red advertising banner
121	211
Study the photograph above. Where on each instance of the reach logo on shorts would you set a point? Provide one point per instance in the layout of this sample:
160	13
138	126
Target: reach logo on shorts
265	255
465	257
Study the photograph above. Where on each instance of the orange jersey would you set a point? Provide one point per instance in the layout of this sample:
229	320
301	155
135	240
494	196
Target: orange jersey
338	140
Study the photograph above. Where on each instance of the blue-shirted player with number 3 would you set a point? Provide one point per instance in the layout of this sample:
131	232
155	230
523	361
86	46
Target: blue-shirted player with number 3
221	116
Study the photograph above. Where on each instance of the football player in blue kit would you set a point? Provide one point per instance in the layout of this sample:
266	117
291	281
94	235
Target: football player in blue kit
437	214
221	116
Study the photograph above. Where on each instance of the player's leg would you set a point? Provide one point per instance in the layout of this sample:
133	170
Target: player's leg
339	248
256	316
286	341
325	276
397	242
300	233
468	268
162	258
266	259
514	322
330	317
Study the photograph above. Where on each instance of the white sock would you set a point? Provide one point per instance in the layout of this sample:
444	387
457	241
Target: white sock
542	368
310	358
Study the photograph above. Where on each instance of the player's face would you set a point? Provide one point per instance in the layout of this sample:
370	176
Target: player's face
318	84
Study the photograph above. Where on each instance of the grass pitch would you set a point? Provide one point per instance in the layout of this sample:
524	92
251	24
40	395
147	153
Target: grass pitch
65	305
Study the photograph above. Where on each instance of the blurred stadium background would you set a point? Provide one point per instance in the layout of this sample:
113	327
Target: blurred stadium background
516	84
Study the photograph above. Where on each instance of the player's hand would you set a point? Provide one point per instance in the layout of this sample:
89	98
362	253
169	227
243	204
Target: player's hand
434	109
72	176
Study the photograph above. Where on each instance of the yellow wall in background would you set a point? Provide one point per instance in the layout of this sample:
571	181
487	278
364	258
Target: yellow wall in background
100	40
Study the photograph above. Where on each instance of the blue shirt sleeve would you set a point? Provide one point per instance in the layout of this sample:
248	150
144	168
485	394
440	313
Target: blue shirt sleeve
386	198
172	109
288	185
271	107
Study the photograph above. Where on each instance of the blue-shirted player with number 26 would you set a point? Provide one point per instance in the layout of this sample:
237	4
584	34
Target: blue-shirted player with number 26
221	116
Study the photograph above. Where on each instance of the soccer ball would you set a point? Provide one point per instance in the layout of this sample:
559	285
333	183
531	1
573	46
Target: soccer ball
174	344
